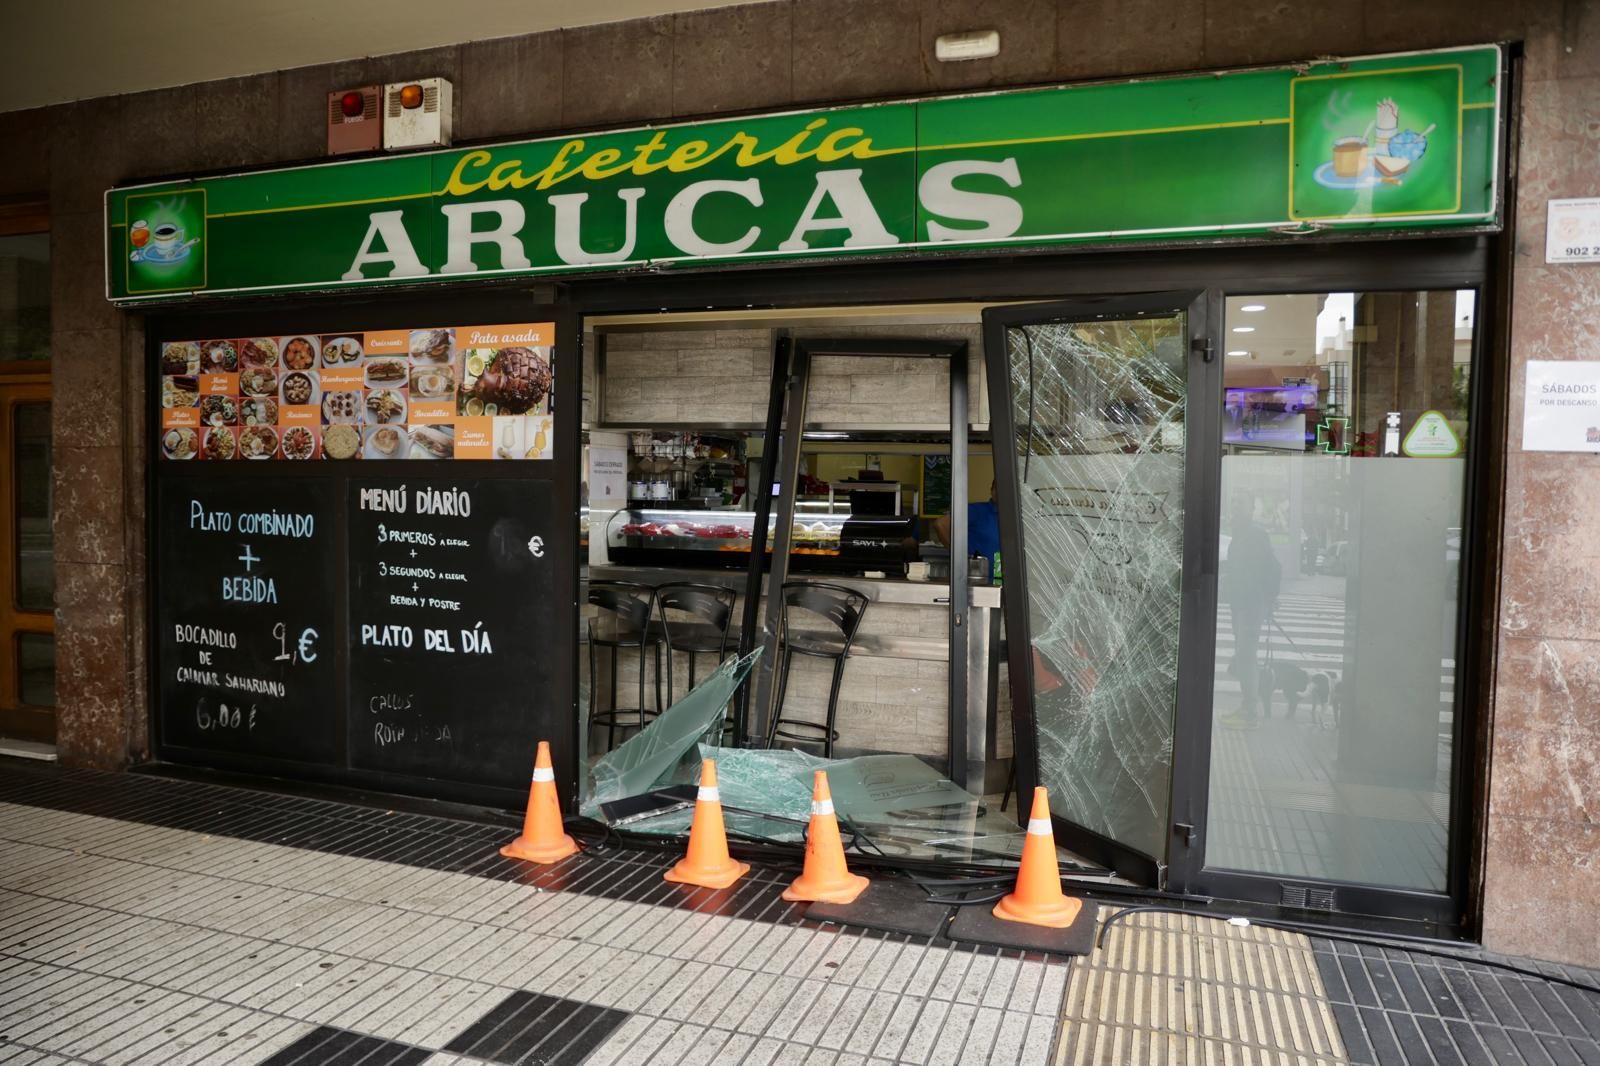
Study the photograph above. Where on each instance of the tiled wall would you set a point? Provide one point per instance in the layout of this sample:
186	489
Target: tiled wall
722	375
1543	834
687	376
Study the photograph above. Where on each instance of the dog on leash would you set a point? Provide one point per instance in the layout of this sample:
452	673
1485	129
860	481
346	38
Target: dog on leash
1319	689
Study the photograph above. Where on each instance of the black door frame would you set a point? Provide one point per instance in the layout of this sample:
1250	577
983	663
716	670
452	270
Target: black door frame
1198	603
786	419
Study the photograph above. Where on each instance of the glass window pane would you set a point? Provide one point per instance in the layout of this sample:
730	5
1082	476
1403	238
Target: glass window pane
36	669
1343	477
25	297
1099	411
36	575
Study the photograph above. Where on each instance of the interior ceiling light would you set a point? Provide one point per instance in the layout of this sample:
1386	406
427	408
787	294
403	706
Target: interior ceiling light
1244	329
1239	352
1253	307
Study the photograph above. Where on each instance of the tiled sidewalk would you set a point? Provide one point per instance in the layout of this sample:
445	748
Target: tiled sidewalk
151	921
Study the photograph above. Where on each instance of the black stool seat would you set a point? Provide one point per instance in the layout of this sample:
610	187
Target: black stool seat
818	644
693	619
709	642
841	610
625	640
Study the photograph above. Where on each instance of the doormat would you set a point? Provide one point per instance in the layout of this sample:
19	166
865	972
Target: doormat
978	925
889	906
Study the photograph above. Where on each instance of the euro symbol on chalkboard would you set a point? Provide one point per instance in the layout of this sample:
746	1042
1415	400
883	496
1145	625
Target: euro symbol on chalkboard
308	638
536	546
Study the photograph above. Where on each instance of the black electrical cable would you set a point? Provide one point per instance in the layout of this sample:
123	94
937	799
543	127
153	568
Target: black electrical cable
1348	936
968	901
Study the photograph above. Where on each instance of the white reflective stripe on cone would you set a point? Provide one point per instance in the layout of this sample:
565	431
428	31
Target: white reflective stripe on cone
821	807
543	773
1040	827
709	795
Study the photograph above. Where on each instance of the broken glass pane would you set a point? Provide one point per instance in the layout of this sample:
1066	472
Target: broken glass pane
648	756
888	805
1099	409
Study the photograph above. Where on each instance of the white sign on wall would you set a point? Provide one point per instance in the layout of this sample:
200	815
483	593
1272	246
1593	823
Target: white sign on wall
608	476
1561	409
1572	231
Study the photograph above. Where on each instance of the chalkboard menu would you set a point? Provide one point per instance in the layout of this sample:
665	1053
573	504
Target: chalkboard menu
246	623
452	626
935	486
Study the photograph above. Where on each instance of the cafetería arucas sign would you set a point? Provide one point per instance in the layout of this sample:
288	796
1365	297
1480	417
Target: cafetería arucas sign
1385	142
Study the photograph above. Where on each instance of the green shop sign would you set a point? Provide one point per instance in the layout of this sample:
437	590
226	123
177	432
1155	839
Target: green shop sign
1388	142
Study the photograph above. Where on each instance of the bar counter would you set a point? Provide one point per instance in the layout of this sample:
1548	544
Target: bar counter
893	694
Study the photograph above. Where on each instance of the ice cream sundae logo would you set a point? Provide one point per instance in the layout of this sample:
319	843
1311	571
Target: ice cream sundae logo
1382	154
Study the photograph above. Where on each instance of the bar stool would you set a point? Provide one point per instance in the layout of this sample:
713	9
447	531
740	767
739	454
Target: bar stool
705	630
693	619
842	608
629	607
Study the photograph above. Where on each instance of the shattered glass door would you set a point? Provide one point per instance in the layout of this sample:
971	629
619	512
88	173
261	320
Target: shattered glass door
1097	412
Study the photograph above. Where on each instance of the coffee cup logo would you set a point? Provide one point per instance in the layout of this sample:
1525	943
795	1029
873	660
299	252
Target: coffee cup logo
167	239
165	244
1382	154
162	244
1347	153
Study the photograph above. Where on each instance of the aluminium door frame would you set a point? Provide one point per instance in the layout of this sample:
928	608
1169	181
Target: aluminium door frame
1191	703
1442	912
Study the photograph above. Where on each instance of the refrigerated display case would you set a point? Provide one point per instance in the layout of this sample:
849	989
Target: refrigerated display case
834	544
716	539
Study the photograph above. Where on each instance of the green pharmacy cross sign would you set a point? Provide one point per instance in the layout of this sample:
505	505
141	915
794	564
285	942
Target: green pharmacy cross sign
1380	143
1333	436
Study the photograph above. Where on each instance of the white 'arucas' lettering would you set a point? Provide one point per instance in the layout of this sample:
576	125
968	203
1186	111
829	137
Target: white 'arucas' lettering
963	199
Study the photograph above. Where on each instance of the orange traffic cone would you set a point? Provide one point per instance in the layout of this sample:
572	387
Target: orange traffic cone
1038	899
542	838
825	878
708	863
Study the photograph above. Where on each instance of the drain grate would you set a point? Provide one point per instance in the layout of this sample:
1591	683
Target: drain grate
1306	897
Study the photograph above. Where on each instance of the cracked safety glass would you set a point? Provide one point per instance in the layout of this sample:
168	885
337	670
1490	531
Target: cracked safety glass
1099	413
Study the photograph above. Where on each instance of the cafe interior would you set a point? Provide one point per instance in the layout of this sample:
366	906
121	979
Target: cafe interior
860	663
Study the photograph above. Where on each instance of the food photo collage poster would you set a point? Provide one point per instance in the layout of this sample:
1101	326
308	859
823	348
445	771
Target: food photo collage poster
452	392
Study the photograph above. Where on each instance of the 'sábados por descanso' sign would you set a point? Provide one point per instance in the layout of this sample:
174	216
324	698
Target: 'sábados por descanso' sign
1383	142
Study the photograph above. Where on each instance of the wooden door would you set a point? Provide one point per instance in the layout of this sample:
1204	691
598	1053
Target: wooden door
27	569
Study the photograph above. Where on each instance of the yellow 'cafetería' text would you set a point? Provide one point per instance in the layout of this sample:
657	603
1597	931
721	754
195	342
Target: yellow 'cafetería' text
478	170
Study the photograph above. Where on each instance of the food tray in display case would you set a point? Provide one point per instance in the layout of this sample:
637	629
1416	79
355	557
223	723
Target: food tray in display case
716	539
